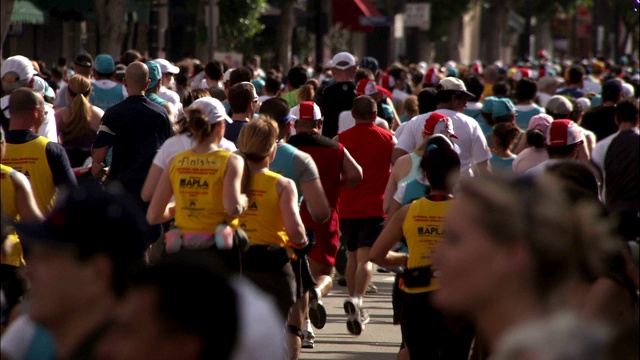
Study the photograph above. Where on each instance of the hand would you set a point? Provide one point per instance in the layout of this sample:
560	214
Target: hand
98	170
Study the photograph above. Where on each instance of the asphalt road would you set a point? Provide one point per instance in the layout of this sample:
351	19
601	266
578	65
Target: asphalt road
380	338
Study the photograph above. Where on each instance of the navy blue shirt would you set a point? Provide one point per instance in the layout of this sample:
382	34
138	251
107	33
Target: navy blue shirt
135	128
232	130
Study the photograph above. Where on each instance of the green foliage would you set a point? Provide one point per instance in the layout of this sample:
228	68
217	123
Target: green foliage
441	13
239	23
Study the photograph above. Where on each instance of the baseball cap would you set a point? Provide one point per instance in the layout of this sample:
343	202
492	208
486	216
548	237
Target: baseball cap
166	66
227	75
438	123
540	122
431	76
487	104
386	81
92	221
370	63
453	84
548	80
366	87
253	87
559	104
104	64
502	107
154	73
212	109
306	111
563	132
83	59
17	68
343	60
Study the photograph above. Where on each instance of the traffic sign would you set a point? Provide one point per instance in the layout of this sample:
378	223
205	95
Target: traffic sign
417	15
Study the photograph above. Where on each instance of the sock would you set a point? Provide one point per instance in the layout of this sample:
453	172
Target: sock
358	298
307	325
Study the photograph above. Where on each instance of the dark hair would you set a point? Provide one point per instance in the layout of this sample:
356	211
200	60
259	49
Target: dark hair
526	89
561	151
363	73
197	122
575	75
275	108
130	56
580	182
363	106
186	305
439	162
297	76
272	85
396	72
504	134
241	74
213	70
427	100
535	138
501	90
627	111
474	85
240	96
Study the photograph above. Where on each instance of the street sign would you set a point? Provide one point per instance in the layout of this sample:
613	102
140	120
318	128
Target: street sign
375	20
417	15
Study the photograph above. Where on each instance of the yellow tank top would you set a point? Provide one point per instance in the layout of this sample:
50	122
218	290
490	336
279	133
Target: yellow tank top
263	221
7	191
197	180
423	229
30	159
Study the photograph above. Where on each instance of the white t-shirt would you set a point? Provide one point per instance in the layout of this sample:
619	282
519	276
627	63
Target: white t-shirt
471	141
600	150
346	121
170	96
179	143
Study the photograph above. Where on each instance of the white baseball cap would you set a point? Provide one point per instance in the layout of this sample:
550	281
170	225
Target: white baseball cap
453	84
20	66
306	111
343	60
166	66
212	109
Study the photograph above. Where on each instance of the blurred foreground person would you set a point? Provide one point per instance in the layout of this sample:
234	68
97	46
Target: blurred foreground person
510	253
76	279
155	320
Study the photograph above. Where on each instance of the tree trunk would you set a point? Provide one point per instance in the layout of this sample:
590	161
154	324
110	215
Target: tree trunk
454	39
284	34
497	22
111	25
7	9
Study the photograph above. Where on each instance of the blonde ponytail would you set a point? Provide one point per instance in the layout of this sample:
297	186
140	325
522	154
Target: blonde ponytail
79	90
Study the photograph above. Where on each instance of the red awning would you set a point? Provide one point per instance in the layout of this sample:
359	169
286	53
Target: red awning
348	12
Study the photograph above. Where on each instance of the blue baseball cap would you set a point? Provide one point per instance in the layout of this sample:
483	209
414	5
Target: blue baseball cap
154	73
487	104
104	64
503	107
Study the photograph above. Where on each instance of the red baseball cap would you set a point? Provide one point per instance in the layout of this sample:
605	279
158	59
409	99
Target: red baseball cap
438	123
563	132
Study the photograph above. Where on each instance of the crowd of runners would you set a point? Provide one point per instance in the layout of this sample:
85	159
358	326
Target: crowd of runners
196	211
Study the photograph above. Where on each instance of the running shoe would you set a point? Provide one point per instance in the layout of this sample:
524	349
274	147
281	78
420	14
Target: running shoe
308	341
372	289
354	318
317	312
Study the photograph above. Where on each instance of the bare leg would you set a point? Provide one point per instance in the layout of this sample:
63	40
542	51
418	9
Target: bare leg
296	318
352	266
322	275
363	272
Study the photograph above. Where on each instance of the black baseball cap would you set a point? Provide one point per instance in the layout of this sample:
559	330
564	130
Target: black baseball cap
84	60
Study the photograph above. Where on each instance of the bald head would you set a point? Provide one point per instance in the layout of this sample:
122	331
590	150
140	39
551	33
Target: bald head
364	109
23	100
136	77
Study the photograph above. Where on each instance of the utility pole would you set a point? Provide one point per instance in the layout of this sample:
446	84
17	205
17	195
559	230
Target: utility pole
213	28
154	20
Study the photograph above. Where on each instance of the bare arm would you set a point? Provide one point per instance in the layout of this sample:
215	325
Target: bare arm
316	200
25	201
383	125
351	171
396	120
98	155
234	202
400	169
397	153
608	301
289	209
483	167
380	251
158	211
151	182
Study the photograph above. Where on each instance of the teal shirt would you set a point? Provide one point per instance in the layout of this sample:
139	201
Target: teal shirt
501	165
523	117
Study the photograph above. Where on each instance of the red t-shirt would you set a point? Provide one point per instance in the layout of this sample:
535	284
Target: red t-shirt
371	148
